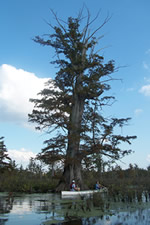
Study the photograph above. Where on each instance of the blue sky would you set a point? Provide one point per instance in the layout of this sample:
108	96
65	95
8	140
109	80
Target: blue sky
24	67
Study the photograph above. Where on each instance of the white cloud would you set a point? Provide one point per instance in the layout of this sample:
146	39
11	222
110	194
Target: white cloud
145	90
16	88
148	158
137	112
130	89
21	156
147	79
146	66
148	51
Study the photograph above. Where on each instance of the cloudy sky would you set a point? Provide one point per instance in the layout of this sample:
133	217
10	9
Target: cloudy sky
25	67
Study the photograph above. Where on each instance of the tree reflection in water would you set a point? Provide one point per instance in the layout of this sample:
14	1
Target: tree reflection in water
46	209
6	204
30	209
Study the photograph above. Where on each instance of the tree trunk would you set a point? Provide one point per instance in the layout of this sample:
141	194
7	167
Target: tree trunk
72	169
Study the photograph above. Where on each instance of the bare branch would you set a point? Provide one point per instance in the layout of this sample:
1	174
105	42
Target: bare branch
58	21
105	21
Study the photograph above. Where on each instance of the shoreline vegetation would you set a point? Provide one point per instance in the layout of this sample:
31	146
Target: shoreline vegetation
117	180
128	190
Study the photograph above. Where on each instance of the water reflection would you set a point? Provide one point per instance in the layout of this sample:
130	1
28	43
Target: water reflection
6	203
46	209
27	209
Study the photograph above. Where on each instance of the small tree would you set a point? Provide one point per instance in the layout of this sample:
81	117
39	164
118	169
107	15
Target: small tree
70	105
51	158
5	160
35	166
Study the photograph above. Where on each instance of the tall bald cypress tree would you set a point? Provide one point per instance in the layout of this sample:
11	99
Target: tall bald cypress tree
71	103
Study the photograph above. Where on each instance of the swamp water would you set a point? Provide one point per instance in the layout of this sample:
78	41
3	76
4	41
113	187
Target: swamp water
46	209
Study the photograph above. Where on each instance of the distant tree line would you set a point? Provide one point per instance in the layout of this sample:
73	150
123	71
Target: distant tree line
34	178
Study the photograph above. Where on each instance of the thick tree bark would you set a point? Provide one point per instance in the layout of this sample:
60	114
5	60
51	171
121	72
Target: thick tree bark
72	168
71	171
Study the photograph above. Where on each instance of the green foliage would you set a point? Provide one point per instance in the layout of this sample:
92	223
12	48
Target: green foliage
5	160
24	181
117	180
70	107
